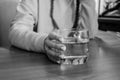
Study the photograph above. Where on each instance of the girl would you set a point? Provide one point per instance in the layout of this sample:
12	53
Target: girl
37	21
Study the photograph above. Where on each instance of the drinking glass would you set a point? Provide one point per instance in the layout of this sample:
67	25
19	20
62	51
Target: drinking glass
77	46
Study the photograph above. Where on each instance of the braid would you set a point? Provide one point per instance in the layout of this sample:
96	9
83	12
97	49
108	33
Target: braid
51	15
77	14
51	9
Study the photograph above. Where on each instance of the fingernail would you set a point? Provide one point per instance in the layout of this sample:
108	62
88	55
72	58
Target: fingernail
63	48
61	39
62	56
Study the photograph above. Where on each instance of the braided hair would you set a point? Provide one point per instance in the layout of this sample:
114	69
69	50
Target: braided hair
51	15
76	14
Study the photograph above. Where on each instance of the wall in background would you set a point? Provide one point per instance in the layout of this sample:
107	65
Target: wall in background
7	13
103	4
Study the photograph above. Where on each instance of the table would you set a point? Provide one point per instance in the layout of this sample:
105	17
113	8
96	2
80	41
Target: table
103	64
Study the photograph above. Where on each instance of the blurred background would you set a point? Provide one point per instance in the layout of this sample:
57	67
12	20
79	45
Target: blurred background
109	15
7	13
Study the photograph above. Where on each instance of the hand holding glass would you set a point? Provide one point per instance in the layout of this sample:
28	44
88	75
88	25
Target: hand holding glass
77	46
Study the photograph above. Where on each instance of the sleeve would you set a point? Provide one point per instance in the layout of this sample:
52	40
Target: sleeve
21	32
89	17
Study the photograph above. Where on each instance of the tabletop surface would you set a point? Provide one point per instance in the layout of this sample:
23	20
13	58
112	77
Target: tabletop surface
103	63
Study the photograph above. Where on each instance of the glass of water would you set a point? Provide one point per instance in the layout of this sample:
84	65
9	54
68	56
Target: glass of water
77	46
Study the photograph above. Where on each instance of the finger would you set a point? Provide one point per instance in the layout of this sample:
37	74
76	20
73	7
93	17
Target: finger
55	45
51	52
51	55
55	36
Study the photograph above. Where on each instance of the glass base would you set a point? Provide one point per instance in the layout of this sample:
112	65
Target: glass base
74	60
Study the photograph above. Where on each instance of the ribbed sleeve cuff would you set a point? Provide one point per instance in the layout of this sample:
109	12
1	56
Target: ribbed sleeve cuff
39	42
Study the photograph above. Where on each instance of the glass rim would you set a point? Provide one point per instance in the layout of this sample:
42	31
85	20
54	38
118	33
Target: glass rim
72	29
